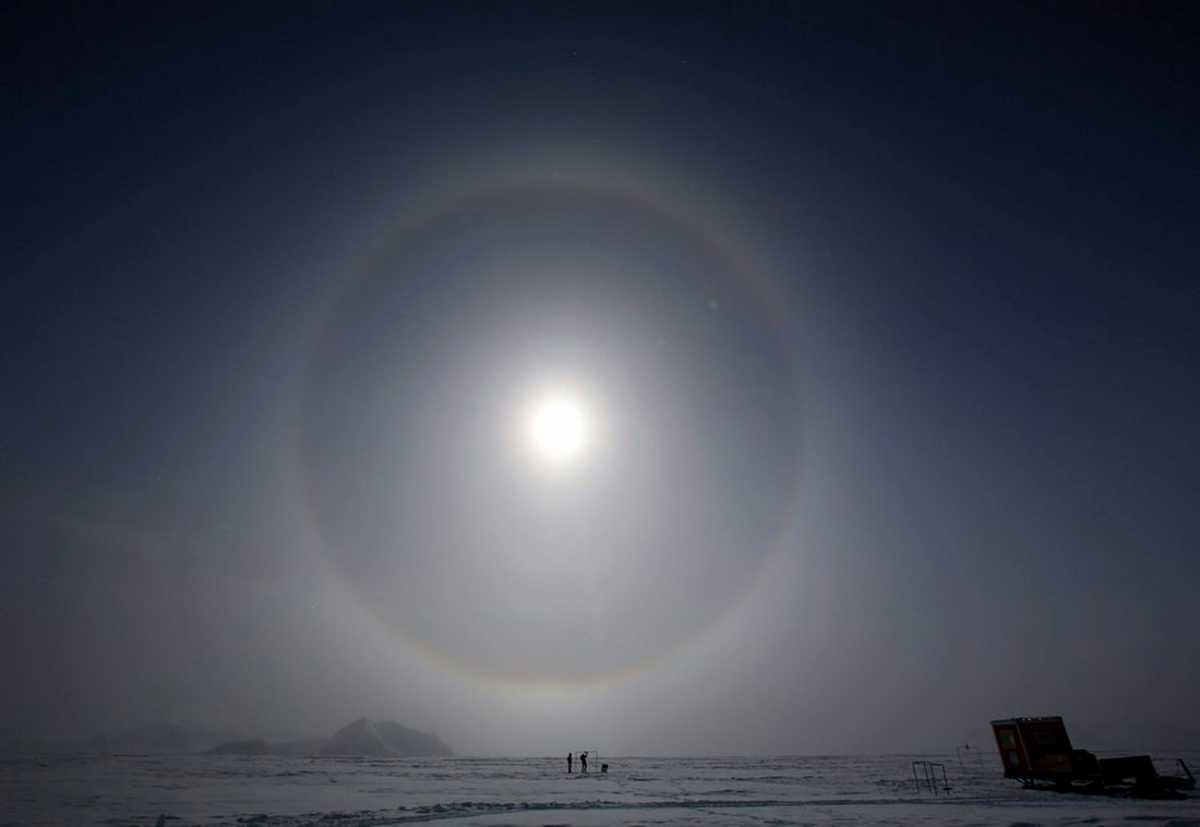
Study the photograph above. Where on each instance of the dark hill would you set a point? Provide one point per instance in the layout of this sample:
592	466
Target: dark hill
357	738
366	737
404	741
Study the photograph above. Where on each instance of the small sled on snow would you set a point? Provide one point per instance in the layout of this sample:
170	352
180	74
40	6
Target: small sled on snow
1038	752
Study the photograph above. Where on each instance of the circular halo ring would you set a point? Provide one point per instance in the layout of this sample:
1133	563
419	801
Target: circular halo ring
734	258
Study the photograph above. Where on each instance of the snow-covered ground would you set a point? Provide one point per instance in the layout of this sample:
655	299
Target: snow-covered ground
288	792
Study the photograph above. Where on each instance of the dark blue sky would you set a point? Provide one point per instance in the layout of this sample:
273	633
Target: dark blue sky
977	417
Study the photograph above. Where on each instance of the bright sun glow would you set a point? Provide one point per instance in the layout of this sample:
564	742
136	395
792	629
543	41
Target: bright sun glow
558	429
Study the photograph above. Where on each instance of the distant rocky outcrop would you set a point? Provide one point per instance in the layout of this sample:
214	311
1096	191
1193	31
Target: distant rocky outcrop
404	741
254	746
357	738
161	737
362	737
366	737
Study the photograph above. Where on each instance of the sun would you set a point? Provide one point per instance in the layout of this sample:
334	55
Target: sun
558	429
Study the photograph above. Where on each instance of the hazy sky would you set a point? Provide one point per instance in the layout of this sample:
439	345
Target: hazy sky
877	334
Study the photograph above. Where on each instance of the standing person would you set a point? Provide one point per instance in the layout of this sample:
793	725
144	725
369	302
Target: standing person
583	761
568	763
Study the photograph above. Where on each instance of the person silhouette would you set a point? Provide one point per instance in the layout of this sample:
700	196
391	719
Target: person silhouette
583	762
568	762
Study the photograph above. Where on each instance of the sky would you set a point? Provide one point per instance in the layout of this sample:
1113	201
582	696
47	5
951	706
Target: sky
705	379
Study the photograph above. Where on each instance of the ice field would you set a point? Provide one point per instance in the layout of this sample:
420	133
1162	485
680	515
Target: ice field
288	792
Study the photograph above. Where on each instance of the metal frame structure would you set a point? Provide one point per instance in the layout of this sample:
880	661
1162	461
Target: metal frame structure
928	778
593	761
